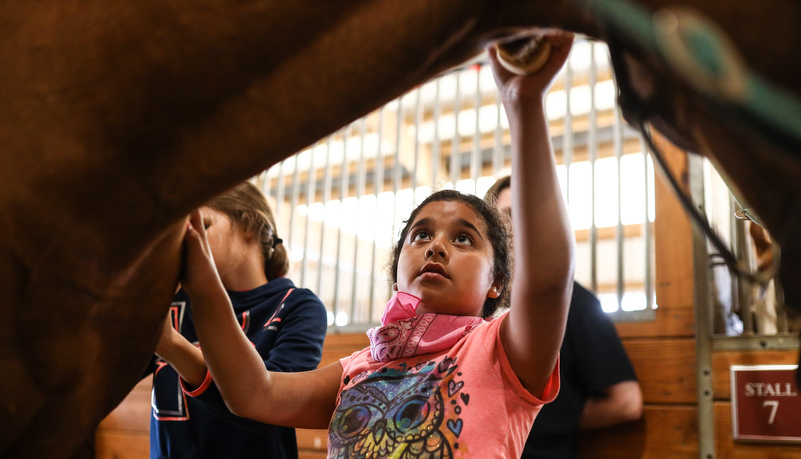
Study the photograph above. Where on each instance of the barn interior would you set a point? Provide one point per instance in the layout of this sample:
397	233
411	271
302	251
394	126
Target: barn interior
684	319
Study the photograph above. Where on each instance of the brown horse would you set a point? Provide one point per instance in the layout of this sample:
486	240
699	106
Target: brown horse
118	117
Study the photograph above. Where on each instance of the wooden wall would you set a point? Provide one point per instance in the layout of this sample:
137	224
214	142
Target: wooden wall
662	351
125	433
663	354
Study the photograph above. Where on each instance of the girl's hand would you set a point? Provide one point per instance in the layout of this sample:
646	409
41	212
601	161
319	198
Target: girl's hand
182	355
514	87
199	272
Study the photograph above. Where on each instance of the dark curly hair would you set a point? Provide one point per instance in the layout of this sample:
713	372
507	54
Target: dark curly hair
497	232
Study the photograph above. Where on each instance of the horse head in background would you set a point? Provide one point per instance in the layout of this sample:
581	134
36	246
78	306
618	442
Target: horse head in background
119	117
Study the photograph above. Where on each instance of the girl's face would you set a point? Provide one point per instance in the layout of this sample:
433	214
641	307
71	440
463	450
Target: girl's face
447	260
227	242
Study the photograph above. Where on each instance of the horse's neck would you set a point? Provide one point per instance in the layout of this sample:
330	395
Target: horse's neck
157	87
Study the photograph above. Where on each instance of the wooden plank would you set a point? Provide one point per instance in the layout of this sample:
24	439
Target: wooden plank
672	235
665	368
332	355
118	445
671	321
610	232
312	439
726	447
674	281
723	360
664	432
311	455
347	340
337	346
133	413
630	231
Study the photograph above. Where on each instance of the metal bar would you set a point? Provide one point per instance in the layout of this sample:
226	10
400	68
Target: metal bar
781	309
279	198
737	305
703	319
567	138
475	155
343	192
293	201
396	166
619	240
647	315
359	193
498	150
592	139
456	149
311	190
647	243
265	184
740	246
326	200
378	187
417	108
436	151
788	341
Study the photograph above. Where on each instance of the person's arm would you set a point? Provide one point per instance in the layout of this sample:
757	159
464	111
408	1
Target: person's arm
179	353
544	243
183	356
305	399
297	346
616	404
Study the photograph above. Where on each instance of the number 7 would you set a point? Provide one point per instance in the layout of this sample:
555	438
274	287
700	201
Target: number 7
774	406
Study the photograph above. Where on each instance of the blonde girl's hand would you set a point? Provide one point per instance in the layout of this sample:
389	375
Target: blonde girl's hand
199	271
513	87
182	355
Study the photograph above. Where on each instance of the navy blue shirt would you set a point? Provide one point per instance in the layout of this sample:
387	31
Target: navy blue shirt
287	326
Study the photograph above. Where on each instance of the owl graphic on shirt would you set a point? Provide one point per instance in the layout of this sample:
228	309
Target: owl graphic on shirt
401	412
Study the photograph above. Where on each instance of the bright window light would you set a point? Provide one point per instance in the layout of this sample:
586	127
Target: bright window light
342	319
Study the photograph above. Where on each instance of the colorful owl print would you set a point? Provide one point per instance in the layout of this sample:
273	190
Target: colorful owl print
403	412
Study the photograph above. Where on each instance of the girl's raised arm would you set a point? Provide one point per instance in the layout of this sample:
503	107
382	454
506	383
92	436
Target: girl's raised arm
304	399
543	239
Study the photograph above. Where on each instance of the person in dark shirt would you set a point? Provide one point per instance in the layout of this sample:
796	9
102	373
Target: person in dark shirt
599	386
286	325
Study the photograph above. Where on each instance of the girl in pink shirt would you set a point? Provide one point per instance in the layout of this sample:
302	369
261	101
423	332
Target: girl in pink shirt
441	378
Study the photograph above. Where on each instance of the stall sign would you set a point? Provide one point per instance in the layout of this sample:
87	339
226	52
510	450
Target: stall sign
765	403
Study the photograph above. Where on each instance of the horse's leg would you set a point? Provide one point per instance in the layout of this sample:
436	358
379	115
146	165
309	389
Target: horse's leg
77	340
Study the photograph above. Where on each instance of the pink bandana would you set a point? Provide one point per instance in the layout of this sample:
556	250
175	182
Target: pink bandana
403	333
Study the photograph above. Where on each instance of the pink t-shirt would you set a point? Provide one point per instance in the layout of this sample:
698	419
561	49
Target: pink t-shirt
465	402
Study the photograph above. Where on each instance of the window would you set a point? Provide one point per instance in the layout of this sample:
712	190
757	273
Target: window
341	202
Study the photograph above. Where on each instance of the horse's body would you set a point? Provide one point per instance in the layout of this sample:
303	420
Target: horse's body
117	118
